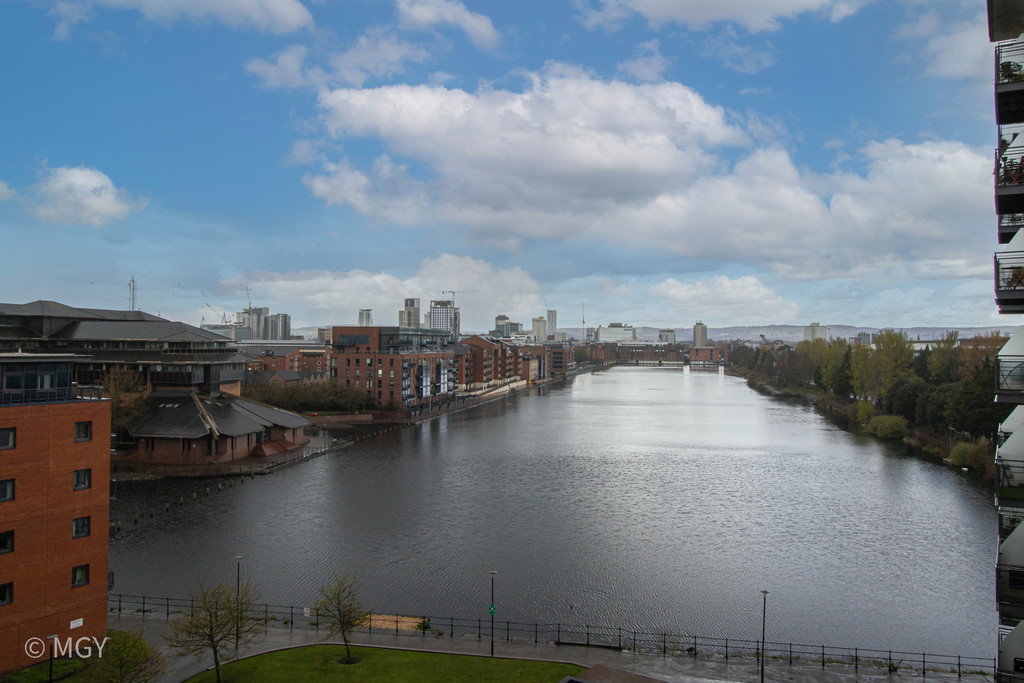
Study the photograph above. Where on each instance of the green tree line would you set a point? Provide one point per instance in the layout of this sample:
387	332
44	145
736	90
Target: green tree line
325	397
950	385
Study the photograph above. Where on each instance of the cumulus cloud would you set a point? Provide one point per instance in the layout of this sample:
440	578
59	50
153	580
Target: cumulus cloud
6	192
425	14
958	51
286	71
271	16
323	296
742	298
67	13
81	195
568	147
754	15
648	64
377	54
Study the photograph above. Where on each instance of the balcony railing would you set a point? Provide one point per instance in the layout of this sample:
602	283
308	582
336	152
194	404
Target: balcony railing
1009	224
1010	378
1009	276
1009	63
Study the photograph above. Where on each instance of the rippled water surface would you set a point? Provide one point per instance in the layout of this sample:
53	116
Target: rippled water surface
635	497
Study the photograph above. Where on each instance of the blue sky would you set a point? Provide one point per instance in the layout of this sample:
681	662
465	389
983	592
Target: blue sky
656	161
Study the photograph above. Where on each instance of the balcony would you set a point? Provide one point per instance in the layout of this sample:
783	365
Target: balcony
1010	370
1009	170
1009	83
1009	276
1009	225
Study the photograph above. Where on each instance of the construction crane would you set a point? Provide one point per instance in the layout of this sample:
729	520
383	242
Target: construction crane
453	292
225	317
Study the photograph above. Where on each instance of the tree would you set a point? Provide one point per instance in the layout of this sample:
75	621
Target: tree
340	608
895	354
127	658
944	360
217	615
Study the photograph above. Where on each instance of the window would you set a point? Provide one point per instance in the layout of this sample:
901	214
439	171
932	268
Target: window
6	489
80	575
80	527
83	479
6	542
6	438
83	431
6	593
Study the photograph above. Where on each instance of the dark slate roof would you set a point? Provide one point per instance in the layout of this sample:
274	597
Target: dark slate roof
149	330
53	309
170	415
277	416
16	332
177	415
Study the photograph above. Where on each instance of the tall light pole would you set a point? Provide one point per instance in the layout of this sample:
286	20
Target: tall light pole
51	638
238	591
492	609
764	611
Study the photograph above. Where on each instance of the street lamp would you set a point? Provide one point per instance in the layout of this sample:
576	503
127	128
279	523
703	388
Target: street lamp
764	611
492	609
238	590
51	638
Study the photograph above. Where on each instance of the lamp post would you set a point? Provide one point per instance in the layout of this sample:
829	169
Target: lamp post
764	611
238	590
51	638
492	609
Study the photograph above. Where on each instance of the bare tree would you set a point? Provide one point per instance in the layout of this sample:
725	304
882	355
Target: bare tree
339	606
128	658
219	616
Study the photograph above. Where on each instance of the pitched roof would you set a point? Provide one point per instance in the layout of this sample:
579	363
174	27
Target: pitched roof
182	415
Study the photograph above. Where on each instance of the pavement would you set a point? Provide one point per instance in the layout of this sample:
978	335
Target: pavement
680	667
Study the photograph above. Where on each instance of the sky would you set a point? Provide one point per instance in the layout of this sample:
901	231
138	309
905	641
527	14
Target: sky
651	162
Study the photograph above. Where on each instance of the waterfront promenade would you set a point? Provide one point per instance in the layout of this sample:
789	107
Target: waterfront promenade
674	668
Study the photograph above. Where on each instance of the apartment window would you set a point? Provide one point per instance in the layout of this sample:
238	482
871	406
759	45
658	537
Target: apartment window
6	542
80	575
80	527
6	489
369	361
6	438
6	593
348	362
83	479
391	373
83	431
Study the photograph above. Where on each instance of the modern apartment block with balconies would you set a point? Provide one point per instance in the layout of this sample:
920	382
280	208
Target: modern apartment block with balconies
1006	23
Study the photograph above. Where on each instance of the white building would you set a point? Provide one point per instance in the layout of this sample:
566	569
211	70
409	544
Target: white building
815	331
667	336
552	322
700	334
278	326
540	329
615	332
443	315
365	317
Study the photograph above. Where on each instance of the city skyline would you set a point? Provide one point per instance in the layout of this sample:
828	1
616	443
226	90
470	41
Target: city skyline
739	163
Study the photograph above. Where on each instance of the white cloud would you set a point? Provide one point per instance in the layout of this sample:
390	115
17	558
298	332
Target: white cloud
68	13
958	51
376	54
648	64
286	71
566	148
6	192
335	297
733	55
723	298
573	157
82	195
271	16
754	15
425	14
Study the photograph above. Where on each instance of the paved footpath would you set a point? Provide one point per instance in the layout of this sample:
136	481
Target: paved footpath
676	668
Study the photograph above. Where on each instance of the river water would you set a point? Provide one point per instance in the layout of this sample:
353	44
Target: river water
658	499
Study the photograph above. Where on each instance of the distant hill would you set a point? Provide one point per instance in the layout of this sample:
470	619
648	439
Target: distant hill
795	333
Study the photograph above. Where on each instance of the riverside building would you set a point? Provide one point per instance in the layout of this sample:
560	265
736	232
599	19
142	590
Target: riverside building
54	506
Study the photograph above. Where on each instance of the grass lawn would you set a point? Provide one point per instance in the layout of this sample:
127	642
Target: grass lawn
321	663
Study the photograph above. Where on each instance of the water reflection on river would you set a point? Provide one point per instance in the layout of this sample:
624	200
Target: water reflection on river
660	499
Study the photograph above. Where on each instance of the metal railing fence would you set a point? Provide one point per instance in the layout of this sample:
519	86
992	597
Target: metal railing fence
638	641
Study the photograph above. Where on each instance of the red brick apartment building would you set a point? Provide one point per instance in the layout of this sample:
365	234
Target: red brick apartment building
54	505
410	367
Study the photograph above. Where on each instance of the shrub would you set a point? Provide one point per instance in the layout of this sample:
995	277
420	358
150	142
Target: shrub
893	427
861	411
